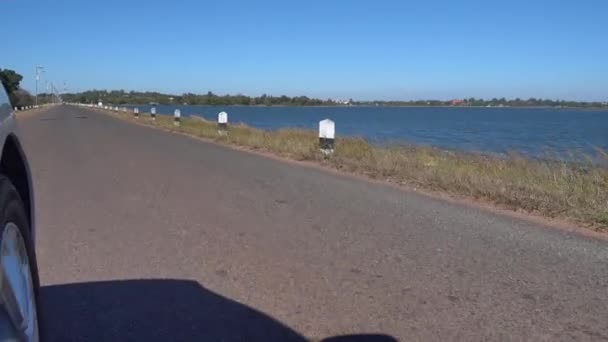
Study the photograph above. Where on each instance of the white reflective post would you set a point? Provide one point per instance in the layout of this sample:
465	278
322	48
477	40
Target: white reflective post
222	123
153	113
327	132
136	113
177	117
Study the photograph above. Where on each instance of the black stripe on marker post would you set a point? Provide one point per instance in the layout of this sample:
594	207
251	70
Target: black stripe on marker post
326	144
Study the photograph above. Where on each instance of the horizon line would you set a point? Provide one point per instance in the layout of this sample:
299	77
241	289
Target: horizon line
345	98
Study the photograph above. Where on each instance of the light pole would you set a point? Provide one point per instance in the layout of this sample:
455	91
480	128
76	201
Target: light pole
65	91
38	69
48	92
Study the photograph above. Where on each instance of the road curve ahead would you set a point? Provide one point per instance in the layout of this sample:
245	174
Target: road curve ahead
148	235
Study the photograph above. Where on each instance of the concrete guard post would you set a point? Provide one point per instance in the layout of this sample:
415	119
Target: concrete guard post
177	117
327	132
222	123
153	113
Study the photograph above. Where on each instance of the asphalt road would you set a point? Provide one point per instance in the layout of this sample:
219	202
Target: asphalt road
148	235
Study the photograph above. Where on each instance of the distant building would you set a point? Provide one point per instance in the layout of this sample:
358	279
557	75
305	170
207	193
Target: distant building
342	102
457	102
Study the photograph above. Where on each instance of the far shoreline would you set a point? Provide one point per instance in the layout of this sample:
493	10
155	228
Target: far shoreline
601	109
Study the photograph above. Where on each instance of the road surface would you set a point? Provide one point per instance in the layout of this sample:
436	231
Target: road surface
148	235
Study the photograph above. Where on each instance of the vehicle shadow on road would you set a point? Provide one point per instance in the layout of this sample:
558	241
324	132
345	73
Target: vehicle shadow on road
159	310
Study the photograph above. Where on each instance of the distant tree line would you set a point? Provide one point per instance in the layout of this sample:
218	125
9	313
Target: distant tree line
11	81
120	97
19	97
502	102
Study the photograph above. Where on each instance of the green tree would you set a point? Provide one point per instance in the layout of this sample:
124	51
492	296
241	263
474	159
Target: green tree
10	80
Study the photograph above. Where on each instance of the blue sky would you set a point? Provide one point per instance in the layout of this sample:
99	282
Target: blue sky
359	49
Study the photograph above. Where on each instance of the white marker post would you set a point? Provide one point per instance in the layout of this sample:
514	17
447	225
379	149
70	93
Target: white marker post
153	113
177	117
99	104
136	113
124	109
222	123
327	132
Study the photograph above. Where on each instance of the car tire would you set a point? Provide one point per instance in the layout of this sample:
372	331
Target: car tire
12	213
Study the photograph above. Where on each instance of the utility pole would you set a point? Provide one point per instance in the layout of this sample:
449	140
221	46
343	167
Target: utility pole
38	69
56	93
65	90
49	96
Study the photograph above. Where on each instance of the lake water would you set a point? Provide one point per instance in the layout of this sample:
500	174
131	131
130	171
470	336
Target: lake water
532	131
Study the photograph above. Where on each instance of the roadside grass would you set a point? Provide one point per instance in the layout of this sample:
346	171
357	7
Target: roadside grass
575	191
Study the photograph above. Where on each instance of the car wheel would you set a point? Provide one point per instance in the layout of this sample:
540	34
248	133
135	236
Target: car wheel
19	285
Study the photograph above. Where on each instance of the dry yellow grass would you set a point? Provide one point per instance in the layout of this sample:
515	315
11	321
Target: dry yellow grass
573	191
